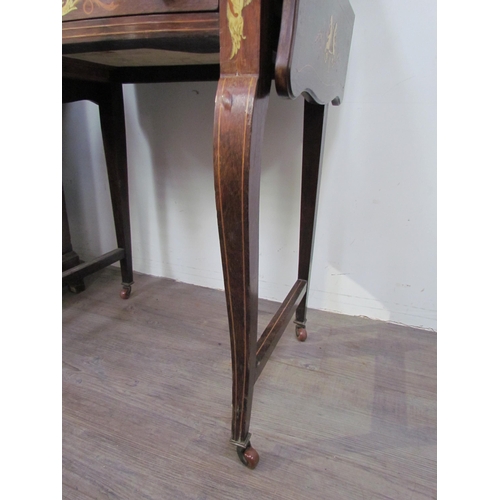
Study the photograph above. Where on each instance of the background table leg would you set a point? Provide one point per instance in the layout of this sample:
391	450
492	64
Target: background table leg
112	118
314	131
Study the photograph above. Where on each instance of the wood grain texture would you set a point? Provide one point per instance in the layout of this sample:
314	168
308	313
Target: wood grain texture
190	32
348	415
85	9
147	57
239	117
112	119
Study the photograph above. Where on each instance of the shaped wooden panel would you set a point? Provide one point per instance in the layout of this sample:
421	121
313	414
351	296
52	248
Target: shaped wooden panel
313	50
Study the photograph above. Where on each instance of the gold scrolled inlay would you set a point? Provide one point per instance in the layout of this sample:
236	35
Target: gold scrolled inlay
236	22
88	6
331	42
68	6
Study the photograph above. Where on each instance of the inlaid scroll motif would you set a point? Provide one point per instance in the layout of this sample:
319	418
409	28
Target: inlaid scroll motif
88	6
68	6
331	42
236	22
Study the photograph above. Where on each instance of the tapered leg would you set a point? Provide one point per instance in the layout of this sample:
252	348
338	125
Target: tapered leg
314	129
238	134
112	118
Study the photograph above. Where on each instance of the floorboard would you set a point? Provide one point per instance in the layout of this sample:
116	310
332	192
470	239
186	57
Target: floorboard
349	414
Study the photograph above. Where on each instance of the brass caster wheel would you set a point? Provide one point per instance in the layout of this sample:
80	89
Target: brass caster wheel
301	333
248	456
125	292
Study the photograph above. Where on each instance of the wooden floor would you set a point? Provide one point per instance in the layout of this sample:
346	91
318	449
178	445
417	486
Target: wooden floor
349	414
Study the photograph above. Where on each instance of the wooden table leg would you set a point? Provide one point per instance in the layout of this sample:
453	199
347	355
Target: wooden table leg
112	118
238	134
314	131
240	109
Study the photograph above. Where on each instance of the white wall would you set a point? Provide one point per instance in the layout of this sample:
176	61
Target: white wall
375	251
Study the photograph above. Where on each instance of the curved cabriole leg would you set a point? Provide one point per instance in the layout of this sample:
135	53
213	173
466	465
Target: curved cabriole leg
314	127
238	134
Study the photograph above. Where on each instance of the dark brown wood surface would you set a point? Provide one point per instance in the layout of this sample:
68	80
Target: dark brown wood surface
85	9
189	32
77	69
109	97
112	118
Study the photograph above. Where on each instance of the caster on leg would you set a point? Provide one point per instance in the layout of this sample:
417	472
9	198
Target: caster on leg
77	287
126	291
301	333
248	456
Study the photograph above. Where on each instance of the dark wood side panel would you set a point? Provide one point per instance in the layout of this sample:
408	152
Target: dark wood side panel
87	9
313	50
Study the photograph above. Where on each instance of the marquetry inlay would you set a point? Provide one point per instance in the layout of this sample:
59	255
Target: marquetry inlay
88	6
236	22
331	42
